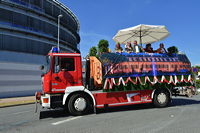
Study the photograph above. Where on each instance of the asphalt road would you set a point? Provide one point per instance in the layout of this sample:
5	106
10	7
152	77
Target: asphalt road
183	116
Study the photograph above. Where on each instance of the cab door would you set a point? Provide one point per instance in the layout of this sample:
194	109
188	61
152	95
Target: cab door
65	73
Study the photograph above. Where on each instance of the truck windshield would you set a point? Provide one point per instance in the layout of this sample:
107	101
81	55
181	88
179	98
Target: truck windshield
48	63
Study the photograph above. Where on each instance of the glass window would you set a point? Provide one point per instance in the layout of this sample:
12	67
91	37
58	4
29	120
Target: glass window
13	43
67	64
47	7
55	31
62	34
36	24
1	41
48	28
48	63
56	11
36	2
47	48
42	23
28	45
21	44
20	19
6	16
30	22
26	1
64	19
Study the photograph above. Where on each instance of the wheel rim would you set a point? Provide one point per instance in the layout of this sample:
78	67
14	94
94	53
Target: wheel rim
80	104
162	98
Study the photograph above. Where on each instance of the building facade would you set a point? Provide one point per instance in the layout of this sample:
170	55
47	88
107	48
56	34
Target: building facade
28	30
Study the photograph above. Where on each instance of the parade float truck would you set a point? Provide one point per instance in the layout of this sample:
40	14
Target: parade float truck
113	79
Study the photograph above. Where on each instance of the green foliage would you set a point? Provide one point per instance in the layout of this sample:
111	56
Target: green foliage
103	46
198	67
197	83
172	49
93	51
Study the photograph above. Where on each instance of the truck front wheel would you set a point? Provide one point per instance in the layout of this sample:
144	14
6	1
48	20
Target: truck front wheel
161	98
79	104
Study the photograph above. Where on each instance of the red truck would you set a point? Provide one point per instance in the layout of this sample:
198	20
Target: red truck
63	84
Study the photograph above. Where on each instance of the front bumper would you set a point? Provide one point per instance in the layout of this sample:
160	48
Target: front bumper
49	100
43	99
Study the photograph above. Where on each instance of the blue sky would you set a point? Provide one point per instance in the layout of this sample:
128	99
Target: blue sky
101	19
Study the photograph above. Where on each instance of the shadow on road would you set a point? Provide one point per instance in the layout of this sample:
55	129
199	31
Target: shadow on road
56	113
175	102
125	108
184	101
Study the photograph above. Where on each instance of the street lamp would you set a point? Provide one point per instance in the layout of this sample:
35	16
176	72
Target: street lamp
59	16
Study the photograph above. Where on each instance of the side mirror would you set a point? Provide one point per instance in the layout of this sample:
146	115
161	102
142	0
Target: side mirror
57	69
41	67
56	65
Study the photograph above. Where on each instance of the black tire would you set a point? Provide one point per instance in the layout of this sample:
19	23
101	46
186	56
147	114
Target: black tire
72	107
161	98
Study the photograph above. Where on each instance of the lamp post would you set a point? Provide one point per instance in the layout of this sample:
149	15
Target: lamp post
59	16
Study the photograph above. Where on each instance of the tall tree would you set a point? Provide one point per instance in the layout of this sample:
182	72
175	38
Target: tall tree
93	51
103	46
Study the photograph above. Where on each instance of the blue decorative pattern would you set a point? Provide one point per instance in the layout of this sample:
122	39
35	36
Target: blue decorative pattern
143	64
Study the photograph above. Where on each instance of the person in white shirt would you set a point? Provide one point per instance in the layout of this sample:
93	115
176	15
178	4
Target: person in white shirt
137	48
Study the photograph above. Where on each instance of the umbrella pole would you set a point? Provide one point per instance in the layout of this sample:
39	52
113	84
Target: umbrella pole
140	37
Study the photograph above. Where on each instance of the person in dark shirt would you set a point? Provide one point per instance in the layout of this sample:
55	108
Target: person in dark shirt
148	48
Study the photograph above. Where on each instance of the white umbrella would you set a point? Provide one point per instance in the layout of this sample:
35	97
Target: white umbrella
141	33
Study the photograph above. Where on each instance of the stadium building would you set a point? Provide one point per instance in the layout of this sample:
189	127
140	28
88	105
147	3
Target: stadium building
28	30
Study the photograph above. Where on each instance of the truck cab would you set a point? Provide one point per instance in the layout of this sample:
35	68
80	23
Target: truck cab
63	69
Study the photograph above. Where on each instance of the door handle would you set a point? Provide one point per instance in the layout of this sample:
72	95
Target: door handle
57	78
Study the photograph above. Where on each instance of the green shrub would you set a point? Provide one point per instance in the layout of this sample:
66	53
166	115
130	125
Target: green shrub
197	83
103	46
93	51
172	49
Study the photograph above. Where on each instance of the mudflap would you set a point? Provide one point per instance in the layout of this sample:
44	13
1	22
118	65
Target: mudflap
38	106
37	100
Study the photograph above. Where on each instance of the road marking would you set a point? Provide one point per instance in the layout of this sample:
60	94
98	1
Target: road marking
21	112
63	121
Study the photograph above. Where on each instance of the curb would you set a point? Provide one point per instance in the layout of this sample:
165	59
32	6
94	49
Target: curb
11	105
8	102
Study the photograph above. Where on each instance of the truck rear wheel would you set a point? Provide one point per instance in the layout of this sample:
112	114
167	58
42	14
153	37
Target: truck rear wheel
161	98
79	104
